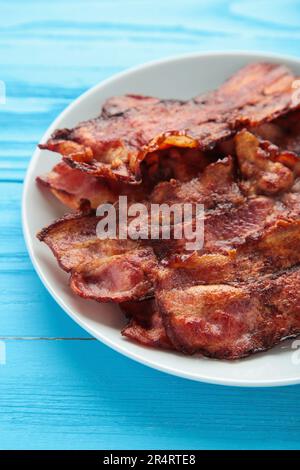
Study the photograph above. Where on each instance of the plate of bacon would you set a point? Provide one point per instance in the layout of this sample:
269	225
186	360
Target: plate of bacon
220	131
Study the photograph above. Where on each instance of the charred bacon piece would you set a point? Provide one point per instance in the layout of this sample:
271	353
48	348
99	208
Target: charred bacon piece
231	322
129	128
117	278
145	324
120	270
276	250
264	167
94	264
284	132
238	294
72	186
103	270
229	302
273	249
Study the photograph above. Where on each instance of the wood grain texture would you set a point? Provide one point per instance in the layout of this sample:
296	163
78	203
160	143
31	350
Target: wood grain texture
80	394
74	392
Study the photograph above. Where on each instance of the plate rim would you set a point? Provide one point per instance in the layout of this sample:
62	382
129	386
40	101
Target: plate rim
220	380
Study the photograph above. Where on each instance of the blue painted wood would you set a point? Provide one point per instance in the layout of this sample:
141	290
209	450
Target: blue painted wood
80	394
76	393
26	307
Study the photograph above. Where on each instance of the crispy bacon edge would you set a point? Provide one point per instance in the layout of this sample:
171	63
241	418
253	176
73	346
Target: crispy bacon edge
114	145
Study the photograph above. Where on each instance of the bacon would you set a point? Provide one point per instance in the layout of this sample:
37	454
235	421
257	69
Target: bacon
214	185
129	128
284	132
225	228
103	270
231	216
239	293
227	301
212	303
263	165
119	278
122	269
278	249
231	322
273	249
145	325
71	187
116	269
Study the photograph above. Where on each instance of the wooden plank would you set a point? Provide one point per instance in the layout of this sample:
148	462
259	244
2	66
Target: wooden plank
266	16
28	310
26	307
80	394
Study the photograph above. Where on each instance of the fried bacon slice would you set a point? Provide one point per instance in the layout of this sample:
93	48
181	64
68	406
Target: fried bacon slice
276	250
230	322
215	185
264	167
117	278
264	247
290	126
94	264
229	303
233	211
129	128
145	324
120	270
225	228
273	249
284	132
103	270
72	187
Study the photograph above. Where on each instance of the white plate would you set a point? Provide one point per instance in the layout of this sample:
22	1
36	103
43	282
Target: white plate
181	77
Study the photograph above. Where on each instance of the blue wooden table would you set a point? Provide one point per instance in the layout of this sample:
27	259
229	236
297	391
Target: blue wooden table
59	388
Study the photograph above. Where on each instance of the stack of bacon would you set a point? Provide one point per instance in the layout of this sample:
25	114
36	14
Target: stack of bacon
235	150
